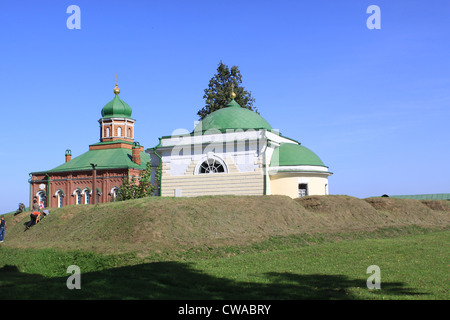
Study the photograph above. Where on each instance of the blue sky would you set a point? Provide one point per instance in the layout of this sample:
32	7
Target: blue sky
373	104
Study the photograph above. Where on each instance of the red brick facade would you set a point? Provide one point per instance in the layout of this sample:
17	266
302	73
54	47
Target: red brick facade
66	184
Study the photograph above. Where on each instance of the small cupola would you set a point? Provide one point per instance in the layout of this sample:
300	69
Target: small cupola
68	155
116	108
116	122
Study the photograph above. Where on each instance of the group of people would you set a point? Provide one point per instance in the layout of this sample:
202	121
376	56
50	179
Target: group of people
35	213
37	210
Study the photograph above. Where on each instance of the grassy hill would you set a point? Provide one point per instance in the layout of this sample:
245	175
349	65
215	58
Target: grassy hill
231	247
157	226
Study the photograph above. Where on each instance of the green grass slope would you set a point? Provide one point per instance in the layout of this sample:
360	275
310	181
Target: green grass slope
157	225
412	267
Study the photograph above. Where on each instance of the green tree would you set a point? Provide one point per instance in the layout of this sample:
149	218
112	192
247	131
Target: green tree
218	93
127	189
145	187
138	188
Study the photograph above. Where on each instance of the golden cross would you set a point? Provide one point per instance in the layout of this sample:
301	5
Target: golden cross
233	95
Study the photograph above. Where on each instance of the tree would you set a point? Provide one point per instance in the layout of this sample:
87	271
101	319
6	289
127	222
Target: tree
145	187
127	189
130	189
218	93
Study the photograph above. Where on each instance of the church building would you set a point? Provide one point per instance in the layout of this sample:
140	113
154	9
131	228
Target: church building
96	175
232	151
235	151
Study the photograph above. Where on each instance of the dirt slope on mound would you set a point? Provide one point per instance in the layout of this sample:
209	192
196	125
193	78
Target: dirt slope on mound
158	224
350	213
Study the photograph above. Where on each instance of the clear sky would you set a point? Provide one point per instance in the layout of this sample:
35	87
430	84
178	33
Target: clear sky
373	104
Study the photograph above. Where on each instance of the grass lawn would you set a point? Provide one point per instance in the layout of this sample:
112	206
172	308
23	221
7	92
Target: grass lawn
412	267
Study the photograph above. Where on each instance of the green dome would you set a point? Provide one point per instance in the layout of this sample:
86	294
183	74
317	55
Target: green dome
232	117
290	154
116	108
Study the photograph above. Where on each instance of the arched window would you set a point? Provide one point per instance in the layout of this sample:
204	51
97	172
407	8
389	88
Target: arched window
42	197
78	196
60	196
211	165
108	132
129	132
114	193
119	131
87	196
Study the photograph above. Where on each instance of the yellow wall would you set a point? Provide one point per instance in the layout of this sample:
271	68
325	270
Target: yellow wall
238	183
233	182
287	183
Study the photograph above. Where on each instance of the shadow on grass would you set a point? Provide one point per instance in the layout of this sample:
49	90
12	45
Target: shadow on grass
175	280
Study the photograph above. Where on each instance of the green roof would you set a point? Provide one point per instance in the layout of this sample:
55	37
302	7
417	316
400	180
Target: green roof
290	154
233	116
111	142
105	159
431	196
116	108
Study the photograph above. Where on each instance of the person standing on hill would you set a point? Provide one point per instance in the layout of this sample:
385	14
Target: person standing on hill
35	206
2	228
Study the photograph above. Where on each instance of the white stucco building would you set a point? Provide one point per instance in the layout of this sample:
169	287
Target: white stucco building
235	151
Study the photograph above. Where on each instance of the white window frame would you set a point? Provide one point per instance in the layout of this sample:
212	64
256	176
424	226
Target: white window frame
42	197
60	196
78	196
214	158
306	190
87	195
114	193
